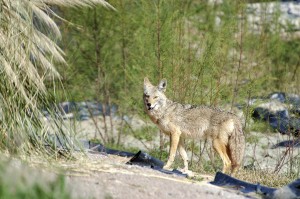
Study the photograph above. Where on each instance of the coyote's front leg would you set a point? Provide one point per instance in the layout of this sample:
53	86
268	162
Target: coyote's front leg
174	140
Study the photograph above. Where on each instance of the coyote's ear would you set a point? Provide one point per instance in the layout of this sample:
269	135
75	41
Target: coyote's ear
147	84
162	85
146	81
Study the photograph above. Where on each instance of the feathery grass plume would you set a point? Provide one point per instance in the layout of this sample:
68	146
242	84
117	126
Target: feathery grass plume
28	54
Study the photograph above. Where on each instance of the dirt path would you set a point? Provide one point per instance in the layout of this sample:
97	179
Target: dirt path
133	185
113	179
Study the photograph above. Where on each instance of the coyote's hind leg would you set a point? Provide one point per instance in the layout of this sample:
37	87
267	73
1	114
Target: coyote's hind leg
185	159
220	147
183	154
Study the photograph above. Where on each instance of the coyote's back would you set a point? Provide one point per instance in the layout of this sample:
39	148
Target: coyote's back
181	121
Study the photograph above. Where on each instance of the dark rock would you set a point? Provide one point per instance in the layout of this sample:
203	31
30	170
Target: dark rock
67	107
224	180
279	120
83	114
287	143
289	191
279	96
296	110
293	99
294	125
144	159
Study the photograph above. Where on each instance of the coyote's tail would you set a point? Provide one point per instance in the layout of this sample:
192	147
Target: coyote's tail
236	144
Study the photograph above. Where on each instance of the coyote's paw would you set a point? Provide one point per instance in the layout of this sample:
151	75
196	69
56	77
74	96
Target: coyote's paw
189	173
167	167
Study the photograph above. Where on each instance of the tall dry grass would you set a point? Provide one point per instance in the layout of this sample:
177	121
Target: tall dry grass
29	55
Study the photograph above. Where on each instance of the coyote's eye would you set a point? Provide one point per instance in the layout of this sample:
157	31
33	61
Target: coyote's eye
155	97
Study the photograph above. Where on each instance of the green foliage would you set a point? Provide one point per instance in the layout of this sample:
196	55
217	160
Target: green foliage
207	166
206	52
163	155
252	139
260	126
146	133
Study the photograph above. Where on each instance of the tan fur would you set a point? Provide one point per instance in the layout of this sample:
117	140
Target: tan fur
181	121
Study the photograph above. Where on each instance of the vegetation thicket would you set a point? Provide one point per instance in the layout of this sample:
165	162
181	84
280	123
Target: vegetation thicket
209	53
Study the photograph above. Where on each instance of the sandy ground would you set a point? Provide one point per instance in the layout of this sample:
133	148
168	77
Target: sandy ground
144	183
114	179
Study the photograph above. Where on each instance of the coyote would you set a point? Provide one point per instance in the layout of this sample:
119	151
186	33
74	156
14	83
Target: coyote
181	121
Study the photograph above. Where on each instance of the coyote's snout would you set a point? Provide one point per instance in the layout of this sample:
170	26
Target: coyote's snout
181	121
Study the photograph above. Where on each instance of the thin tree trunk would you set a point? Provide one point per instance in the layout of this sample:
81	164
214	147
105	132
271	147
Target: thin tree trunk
159	66
124	62
101	73
236	87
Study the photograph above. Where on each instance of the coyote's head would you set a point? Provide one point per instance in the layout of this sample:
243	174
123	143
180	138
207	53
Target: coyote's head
154	96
